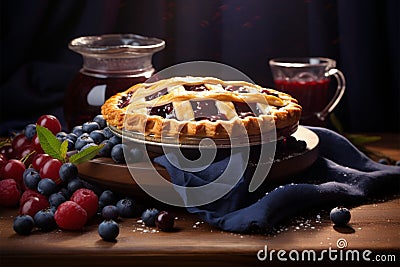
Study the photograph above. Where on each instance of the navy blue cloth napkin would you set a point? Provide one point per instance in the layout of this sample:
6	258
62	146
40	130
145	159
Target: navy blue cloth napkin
342	175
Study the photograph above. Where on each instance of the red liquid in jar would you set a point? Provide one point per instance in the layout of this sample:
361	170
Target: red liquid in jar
84	89
313	96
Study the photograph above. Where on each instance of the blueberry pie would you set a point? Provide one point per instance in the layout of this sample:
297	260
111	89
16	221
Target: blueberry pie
202	107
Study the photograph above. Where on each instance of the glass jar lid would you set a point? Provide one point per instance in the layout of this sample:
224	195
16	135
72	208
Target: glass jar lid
115	45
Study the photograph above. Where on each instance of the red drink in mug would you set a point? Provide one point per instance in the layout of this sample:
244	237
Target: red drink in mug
307	80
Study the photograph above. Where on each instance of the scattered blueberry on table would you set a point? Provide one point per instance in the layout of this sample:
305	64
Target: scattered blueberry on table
108	230
340	216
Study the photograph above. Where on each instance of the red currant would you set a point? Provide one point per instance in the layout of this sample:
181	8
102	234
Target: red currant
39	160
51	170
14	169
50	122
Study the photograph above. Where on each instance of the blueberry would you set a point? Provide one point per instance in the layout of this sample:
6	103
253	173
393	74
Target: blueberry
64	191
56	199
82	141
44	219
291	142
23	224
46	186
117	153
52	209
383	161
301	146
106	150
107	133
165	221
28	170
30	131
97	136
90	126
135	155
108	230
68	171
149	217
110	212
126	208
61	136
340	216
87	146
31	178
71	145
116	140
77	130
100	120
72	137
74	185
107	197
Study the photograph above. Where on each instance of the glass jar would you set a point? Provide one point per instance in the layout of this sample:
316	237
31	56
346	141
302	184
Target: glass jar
111	64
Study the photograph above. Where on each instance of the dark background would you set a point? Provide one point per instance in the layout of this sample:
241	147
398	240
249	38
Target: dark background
361	35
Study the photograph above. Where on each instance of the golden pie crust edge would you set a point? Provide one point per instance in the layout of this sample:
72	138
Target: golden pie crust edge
286	116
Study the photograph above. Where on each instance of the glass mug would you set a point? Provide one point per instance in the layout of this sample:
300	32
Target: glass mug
307	79
111	63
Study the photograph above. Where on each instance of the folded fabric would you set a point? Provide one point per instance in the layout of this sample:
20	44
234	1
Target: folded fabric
342	175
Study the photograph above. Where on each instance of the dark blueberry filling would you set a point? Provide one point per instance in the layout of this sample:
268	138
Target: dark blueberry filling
204	108
124	101
268	92
213	118
196	88
166	111
236	88
157	94
245	110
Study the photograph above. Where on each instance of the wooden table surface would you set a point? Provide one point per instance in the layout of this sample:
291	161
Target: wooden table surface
374	227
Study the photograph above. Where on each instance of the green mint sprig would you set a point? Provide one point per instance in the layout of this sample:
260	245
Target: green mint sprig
58	150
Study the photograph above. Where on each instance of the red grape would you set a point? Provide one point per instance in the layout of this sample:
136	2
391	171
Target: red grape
50	122
7	151
14	169
19	142
39	160
33	205
26	151
36	144
51	170
3	161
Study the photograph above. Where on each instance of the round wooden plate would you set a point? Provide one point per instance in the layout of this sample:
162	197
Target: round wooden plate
106	173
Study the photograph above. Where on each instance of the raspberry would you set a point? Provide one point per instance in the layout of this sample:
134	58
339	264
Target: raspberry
9	193
87	199
70	216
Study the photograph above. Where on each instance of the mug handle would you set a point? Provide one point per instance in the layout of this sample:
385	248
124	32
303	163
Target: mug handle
341	87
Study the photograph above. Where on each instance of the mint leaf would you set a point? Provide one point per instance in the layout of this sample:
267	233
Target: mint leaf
64	149
49	143
85	155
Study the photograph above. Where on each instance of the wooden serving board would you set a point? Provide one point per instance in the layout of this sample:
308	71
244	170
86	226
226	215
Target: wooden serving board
106	173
